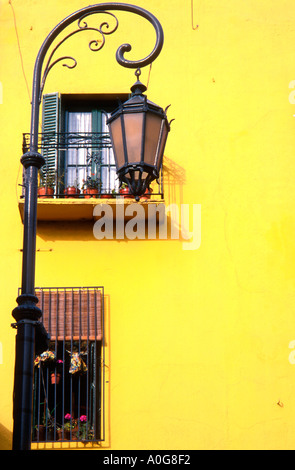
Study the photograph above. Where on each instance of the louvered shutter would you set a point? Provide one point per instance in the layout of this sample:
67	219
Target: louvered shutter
71	314
50	128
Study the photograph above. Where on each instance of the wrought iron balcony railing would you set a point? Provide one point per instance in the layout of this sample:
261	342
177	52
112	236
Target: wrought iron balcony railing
69	140
81	160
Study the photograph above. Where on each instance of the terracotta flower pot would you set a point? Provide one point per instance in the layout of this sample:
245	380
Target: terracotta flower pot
90	192
55	378
44	192
40	433
59	434
71	435
71	191
125	193
67	434
146	196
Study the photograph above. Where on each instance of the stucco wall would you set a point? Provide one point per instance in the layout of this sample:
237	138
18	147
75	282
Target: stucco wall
198	340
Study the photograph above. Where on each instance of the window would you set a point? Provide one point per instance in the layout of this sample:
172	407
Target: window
69	377
76	142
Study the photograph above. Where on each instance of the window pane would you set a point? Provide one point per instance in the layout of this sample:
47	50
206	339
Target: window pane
153	126
116	130
133	131
78	123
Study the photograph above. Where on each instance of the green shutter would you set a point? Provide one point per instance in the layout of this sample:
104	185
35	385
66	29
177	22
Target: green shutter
50	128
96	154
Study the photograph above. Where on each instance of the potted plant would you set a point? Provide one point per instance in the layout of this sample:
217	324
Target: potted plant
47	183
91	187
124	191
147	194
45	430
59	433
55	375
69	427
72	190
40	432
106	196
85	430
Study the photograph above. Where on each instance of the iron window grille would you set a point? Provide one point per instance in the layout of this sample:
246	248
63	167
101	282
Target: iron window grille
69	378
97	164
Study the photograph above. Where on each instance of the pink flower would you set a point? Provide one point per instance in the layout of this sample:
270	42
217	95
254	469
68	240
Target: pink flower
68	416
83	418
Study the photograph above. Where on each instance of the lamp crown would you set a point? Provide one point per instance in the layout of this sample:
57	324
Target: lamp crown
138	88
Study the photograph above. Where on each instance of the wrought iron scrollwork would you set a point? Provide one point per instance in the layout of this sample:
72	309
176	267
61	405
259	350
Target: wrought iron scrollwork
93	45
80	16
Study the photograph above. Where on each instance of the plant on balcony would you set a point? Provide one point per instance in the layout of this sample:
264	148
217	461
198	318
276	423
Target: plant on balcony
72	190
70	422
147	194
85	430
124	191
91	187
70	427
47	183
55	375
46	429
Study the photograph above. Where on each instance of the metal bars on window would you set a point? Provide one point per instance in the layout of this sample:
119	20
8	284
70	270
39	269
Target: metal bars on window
69	378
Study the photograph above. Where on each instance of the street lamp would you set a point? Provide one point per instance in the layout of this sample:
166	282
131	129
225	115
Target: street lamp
31	336
138	130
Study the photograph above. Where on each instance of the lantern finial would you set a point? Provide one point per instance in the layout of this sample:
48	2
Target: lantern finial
138	88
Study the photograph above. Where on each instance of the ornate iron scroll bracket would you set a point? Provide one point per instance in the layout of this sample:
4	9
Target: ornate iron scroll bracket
94	45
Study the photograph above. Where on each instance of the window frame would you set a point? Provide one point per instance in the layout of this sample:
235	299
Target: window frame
52	413
55	111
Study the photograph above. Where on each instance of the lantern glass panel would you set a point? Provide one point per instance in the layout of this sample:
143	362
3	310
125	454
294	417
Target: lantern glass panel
117	138
152	134
162	143
133	131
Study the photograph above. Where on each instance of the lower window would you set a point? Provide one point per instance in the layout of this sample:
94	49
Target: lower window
69	377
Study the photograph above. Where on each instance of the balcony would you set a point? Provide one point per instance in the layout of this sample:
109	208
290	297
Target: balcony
79	174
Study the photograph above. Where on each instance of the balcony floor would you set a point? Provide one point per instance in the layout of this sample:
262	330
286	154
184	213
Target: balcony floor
72	209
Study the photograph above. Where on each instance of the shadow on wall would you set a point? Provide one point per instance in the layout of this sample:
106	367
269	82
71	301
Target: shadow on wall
5	438
166	226
174	179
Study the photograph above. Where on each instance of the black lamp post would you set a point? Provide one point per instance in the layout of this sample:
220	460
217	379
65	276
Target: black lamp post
31	336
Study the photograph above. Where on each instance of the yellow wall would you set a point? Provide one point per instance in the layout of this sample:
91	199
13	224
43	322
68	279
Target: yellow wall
198	340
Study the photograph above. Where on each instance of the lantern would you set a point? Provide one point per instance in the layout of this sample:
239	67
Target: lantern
138	129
